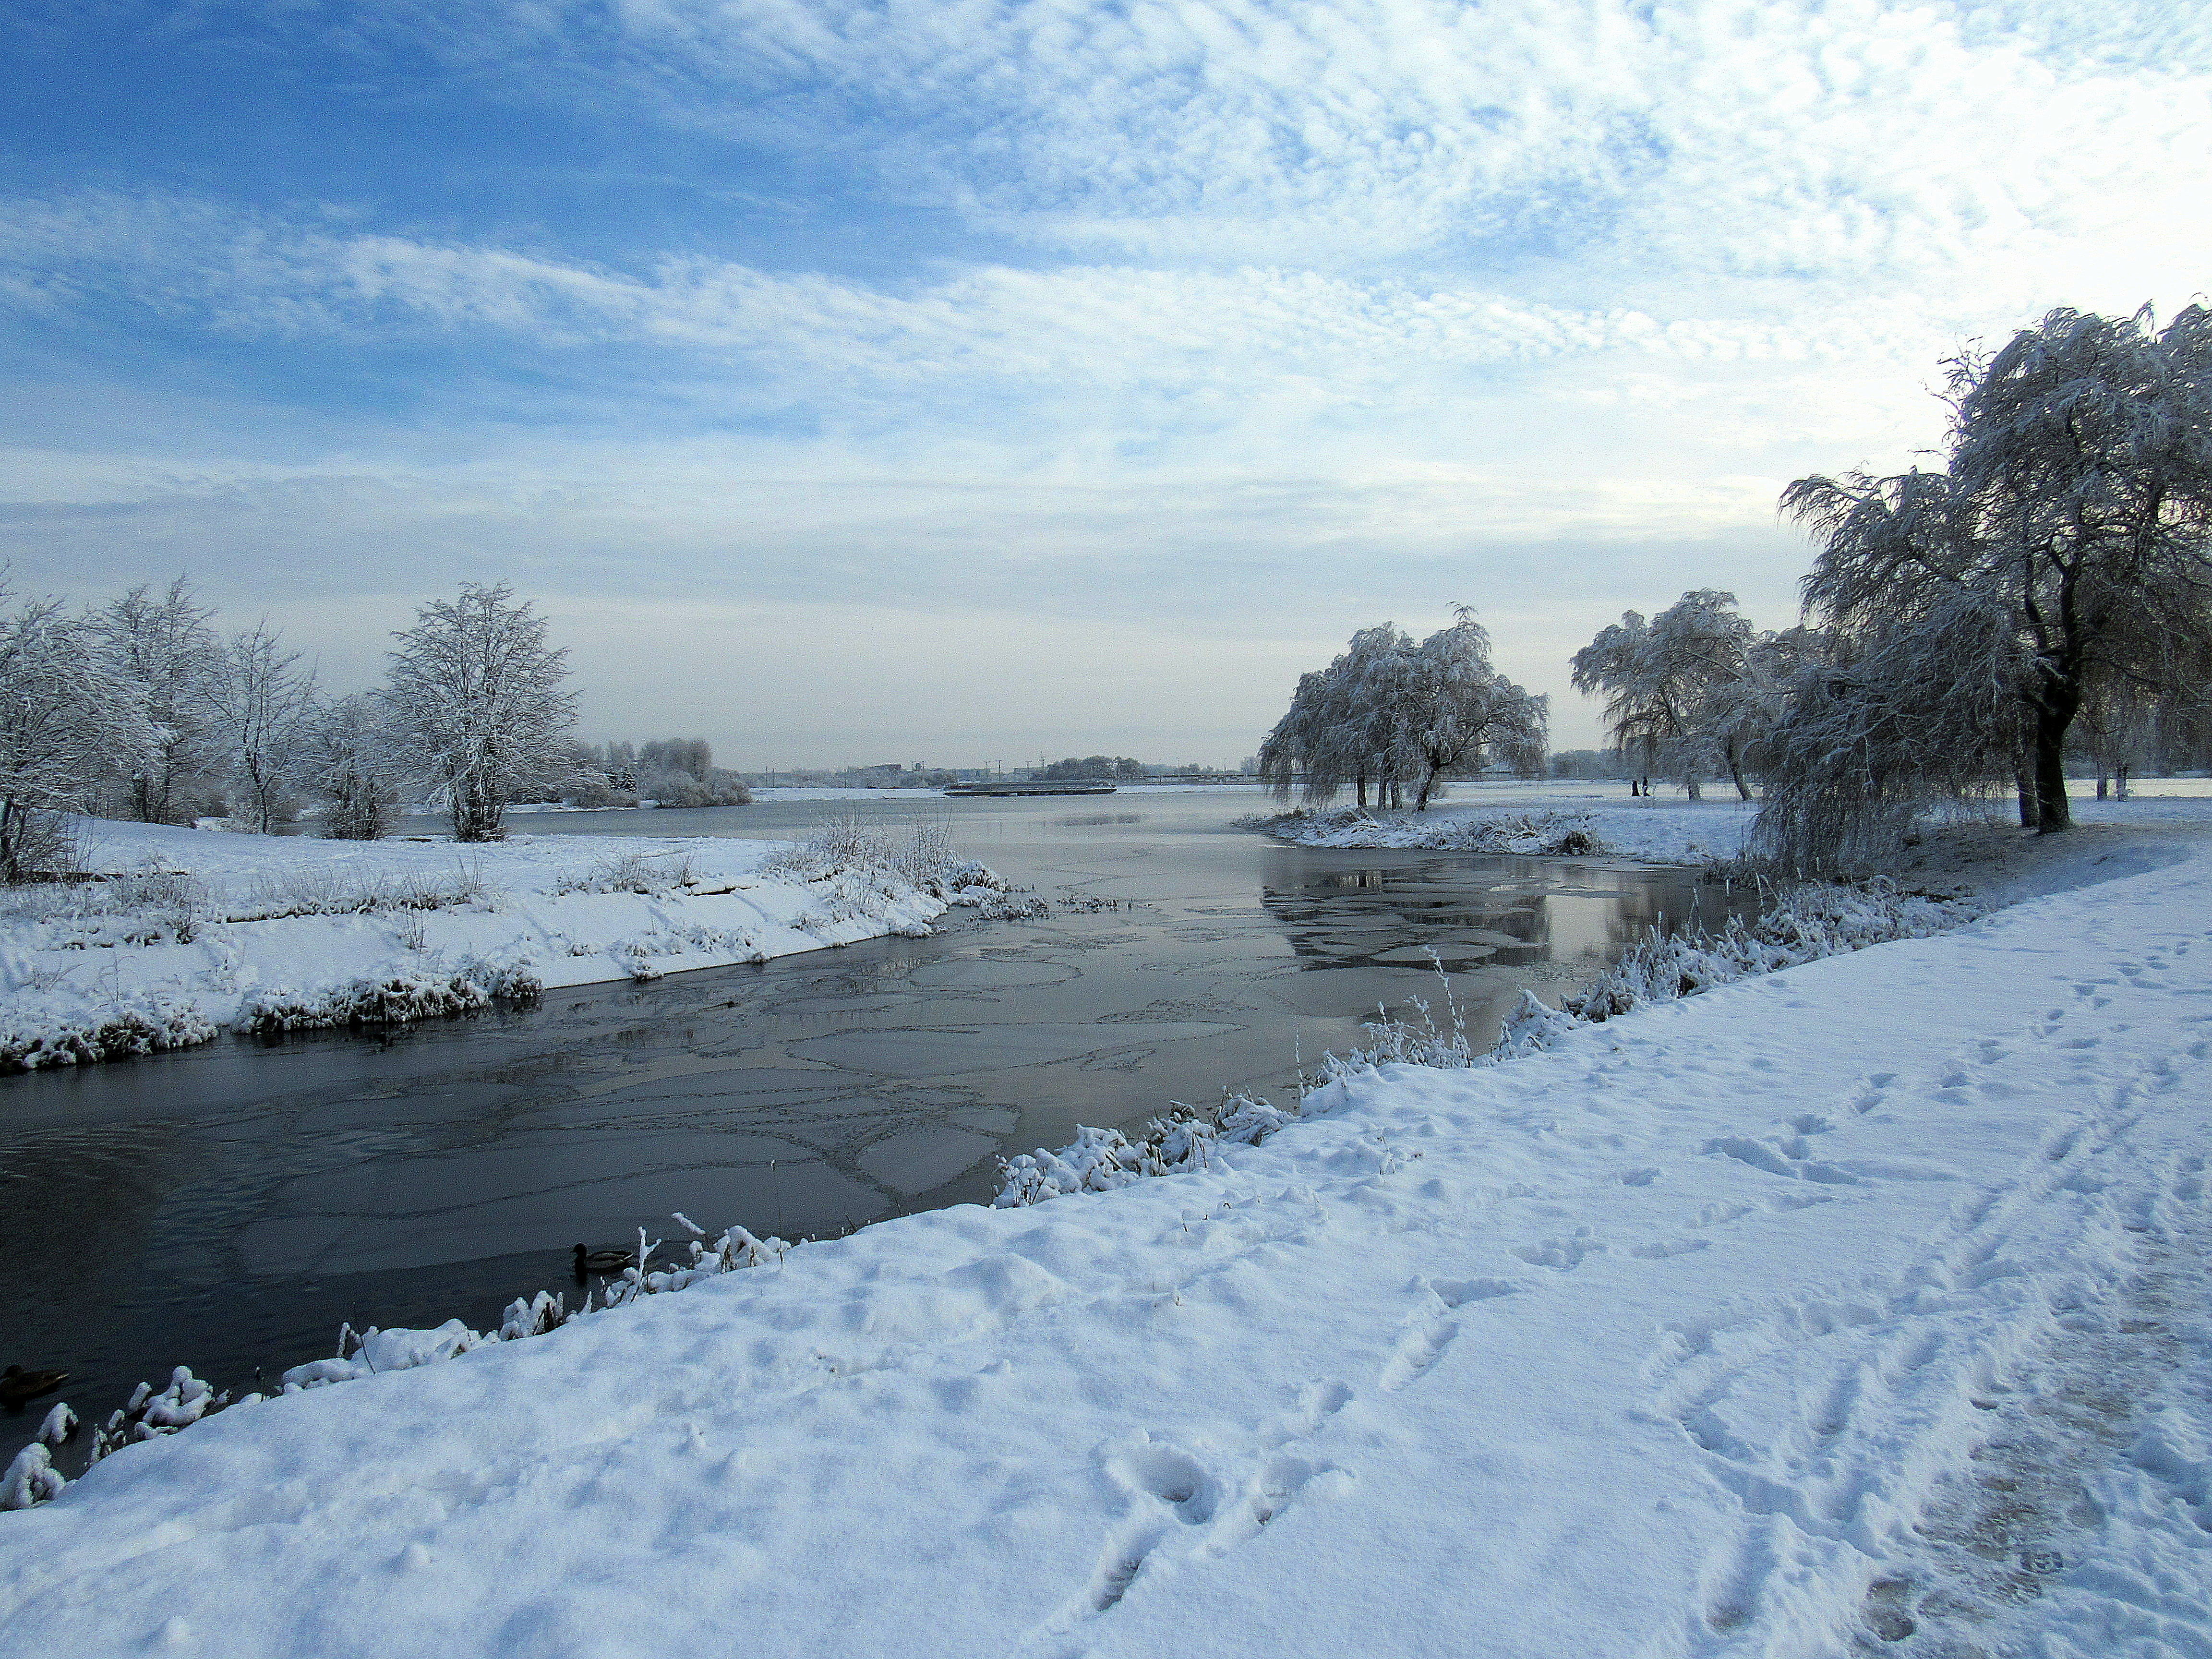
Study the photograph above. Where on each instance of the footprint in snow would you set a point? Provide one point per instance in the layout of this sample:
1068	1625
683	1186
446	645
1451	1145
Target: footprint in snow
1564	1255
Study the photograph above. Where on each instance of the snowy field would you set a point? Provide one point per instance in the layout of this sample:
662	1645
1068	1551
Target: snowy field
1857	1308
203	931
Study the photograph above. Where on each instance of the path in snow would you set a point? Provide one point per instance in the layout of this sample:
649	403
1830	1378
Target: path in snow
1682	1338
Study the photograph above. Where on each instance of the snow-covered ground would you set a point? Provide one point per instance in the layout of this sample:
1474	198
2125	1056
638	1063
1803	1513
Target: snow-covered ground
203	930
1861	1307
1510	815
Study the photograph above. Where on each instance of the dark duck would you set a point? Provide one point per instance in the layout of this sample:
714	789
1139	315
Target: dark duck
19	1387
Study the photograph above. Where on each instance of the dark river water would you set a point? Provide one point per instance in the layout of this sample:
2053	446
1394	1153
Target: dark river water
226	1208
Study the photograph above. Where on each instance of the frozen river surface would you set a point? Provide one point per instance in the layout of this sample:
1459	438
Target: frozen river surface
226	1208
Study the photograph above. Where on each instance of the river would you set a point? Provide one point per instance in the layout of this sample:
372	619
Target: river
224	1207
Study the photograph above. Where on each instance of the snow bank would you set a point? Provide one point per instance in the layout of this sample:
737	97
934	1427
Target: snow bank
1533	822
1574	820
198	931
1692	1334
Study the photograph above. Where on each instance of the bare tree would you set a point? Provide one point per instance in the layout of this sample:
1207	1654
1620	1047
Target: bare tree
67	723
163	645
479	701
261	703
2062	554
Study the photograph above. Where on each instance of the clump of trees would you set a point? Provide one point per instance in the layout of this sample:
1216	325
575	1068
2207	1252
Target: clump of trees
140	708
2056	569
1117	767
1391	715
669	772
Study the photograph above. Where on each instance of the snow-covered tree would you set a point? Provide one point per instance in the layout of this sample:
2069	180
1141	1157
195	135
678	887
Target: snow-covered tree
691	757
1690	693
1460	713
2065	550
479	703
260	703
68	722
349	757
1338	731
162	644
1390	714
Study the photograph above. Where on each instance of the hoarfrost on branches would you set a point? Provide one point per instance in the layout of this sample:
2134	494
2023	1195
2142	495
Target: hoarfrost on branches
479	701
1691	693
348	756
163	646
68	722
1390	714
260	704
2059	563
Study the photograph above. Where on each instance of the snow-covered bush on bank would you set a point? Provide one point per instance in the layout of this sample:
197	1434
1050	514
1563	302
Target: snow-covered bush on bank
393	999
1805	924
1099	1160
36	1033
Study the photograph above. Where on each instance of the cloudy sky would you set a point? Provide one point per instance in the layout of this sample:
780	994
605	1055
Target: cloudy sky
953	379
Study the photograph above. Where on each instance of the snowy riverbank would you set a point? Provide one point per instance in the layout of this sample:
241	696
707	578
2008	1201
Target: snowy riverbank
1567	819
199	931
1860	1300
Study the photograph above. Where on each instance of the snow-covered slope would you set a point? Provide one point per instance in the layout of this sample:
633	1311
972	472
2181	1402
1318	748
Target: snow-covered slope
205	930
1659	1342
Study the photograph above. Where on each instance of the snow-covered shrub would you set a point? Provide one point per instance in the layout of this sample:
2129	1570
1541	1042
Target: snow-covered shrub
1808	922
646	873
373	1352
918	852
312	891
31	1478
393	999
150	1414
1100	1160
32	1039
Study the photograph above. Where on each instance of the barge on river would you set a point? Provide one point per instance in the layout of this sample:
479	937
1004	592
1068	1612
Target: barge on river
1034	787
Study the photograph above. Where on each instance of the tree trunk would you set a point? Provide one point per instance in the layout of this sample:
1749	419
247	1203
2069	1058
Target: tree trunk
2122	772
2053	717
1421	797
1735	776
2024	785
2103	780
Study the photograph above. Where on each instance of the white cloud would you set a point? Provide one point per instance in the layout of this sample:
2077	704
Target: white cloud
1327	310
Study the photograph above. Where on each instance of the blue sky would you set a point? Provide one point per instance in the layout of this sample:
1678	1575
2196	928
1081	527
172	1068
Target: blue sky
954	380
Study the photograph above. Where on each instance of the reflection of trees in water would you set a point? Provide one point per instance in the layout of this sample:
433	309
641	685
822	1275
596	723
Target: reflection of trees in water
1680	904
1346	917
